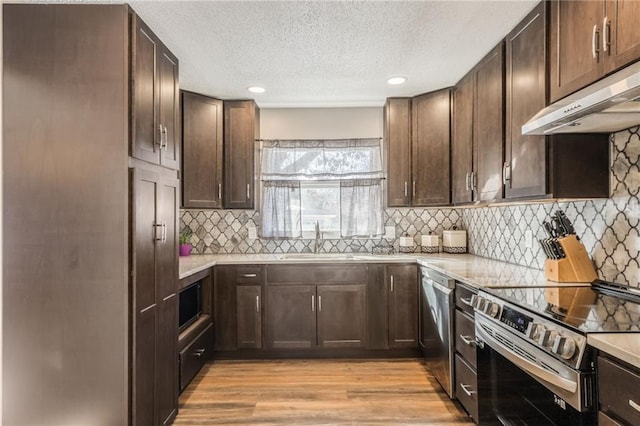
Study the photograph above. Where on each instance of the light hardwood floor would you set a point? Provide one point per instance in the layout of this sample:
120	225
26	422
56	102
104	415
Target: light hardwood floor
336	392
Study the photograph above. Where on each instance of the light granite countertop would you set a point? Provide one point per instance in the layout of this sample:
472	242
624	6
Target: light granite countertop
473	270
624	346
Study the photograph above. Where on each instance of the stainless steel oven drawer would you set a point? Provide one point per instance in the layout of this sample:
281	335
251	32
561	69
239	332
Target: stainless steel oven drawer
618	391
467	387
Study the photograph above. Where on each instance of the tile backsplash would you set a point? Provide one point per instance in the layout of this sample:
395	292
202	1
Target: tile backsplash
227	231
608	228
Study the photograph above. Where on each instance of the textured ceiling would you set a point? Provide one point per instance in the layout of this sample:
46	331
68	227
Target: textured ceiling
327	53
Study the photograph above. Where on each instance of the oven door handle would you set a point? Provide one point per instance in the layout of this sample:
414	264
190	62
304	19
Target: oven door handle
528	366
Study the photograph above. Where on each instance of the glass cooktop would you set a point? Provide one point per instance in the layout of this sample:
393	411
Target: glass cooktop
595	309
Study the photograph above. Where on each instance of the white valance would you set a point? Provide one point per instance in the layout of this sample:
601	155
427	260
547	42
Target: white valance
321	159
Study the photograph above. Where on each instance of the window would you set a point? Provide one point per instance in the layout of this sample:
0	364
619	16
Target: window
336	184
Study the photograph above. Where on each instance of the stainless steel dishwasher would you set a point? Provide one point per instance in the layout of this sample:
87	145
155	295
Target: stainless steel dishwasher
436	328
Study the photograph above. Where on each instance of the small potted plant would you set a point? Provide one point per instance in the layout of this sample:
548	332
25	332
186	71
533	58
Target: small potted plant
185	245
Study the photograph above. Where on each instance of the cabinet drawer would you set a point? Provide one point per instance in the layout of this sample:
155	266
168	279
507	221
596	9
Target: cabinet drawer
463	298
618	391
193	357
249	274
466	387
466	338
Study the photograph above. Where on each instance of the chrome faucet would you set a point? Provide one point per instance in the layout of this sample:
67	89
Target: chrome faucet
318	242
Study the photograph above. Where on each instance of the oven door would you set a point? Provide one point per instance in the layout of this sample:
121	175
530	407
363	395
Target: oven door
522	385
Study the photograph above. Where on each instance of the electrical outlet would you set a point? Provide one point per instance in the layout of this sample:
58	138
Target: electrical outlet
389	232
528	238
253	233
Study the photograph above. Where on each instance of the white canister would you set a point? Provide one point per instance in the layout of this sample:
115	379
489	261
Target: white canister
430	243
454	241
406	244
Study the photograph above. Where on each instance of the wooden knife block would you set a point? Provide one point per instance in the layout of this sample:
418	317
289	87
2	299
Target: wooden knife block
577	267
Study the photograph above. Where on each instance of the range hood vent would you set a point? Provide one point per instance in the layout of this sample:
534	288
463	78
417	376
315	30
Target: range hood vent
607	106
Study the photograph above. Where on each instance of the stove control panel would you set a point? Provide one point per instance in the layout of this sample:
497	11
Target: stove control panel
554	338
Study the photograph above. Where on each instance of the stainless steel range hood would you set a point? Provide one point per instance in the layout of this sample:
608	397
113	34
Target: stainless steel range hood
606	106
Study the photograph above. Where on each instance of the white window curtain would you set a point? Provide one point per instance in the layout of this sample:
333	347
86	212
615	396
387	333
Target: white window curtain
356	163
361	208
281	209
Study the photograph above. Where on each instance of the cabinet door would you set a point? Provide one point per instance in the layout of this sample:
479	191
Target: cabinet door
241	123
291	316
575	52
462	141
145	130
403	305
397	136
224	308
169	108
166	371
249	314
430	148
488	122
147	231
621	38
201	151
143	366
525	156
167	244
342	316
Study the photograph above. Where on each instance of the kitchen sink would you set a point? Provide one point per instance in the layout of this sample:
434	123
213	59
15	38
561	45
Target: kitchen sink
313	256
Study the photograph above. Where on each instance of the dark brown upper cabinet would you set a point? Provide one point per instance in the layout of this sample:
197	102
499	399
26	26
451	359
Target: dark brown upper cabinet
201	151
462	141
590	39
478	136
241	130
397	136
488	127
430	145
154	104
559	166
417	142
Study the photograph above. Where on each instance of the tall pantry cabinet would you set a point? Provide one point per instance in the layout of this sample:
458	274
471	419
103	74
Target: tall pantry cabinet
90	268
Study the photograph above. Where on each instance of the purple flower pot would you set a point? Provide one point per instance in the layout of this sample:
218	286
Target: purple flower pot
185	249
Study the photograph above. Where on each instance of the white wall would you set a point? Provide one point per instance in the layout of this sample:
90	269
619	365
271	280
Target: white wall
320	123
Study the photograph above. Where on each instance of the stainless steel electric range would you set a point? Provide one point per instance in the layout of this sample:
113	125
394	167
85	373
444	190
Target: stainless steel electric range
534	365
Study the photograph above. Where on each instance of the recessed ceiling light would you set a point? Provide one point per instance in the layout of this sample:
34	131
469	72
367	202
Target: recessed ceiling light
256	89
396	80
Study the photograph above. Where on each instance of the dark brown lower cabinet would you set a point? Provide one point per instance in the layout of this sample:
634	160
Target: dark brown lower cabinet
291	316
618	386
465	374
342	316
167	360
249	316
194	355
402	282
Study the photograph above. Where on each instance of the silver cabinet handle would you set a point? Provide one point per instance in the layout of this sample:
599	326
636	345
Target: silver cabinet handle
504	173
156	227
466	302
166	138
219	191
159	143
313	303
391	283
413	191
466	390
319	303
164	231
248	192
199	352
466	182
257	303
249	275
606	34
474	181
634	405
594	43
406	189
468	340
